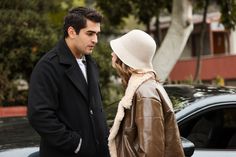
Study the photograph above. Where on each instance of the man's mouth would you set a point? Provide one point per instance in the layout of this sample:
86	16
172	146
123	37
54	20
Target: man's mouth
91	46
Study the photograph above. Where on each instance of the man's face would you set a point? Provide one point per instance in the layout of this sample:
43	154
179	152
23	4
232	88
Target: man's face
87	38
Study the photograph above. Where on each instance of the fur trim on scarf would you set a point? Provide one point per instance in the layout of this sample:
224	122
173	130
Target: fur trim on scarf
126	102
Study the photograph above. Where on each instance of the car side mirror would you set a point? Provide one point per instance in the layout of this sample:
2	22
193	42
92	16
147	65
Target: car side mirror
188	147
35	154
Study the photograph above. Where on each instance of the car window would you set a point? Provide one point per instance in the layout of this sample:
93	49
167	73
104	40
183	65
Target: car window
212	129
184	95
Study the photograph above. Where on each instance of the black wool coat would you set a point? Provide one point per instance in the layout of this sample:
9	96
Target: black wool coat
63	108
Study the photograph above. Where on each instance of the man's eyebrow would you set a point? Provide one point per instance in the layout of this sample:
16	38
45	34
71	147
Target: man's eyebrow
90	31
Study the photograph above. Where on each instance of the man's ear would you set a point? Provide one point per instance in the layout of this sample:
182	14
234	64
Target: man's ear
71	32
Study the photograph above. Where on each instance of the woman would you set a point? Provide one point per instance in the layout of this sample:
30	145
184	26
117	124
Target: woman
145	124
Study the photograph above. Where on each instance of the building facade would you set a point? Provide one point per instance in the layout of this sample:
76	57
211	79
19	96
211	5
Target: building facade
218	58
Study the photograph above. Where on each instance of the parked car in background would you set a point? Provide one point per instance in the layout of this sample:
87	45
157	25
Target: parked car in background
206	116
17	138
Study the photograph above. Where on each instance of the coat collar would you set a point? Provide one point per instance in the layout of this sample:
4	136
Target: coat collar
74	72
64	53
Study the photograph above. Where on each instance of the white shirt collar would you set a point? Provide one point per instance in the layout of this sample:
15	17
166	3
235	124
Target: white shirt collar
82	66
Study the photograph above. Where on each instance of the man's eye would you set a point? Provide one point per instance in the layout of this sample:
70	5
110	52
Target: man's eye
90	34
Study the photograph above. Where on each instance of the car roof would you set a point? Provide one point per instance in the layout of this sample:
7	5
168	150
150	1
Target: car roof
183	95
207	102
196	91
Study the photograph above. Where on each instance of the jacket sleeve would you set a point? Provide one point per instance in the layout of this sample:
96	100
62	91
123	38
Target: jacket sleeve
150	127
42	106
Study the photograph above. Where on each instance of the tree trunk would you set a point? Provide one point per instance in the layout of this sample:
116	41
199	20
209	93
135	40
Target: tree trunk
158	33
175	40
197	76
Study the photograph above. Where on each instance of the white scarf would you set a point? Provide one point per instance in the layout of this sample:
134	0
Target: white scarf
126	102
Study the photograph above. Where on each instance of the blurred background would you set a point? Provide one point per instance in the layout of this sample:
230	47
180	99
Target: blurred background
29	28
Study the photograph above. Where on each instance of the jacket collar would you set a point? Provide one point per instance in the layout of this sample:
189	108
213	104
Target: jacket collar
64	53
74	72
66	56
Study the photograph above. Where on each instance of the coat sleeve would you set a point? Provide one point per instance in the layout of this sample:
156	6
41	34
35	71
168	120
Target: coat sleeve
150	127
42	106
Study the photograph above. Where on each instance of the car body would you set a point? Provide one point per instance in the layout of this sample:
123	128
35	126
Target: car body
17	138
206	116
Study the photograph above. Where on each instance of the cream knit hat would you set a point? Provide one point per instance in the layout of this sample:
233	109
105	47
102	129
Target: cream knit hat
136	49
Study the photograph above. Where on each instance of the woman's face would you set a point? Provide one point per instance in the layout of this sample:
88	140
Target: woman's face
113	59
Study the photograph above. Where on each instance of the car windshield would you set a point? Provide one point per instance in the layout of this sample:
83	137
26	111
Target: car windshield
182	95
15	132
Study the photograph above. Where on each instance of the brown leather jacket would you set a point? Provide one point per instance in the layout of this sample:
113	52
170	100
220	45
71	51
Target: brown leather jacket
149	127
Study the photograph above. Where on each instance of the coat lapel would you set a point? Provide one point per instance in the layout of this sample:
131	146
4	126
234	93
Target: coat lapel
77	78
74	72
92	76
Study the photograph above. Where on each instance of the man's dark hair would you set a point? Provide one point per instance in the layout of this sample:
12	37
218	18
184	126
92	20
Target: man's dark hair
77	17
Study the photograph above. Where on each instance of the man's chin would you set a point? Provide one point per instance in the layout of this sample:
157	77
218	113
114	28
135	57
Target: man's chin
89	52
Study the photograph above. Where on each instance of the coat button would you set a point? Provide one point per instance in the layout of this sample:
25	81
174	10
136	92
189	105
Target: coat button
91	112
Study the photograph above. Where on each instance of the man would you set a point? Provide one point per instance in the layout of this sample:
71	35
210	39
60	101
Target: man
64	104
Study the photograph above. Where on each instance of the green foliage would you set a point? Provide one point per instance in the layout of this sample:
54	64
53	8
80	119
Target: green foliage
26	34
4	85
115	12
29	28
142	10
145	10
228	10
177	102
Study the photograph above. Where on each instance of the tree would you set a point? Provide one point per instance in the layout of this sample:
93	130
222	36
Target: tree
204	5
228	11
26	34
178	33
175	40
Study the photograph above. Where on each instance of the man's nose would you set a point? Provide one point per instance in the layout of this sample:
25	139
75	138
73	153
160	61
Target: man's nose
95	39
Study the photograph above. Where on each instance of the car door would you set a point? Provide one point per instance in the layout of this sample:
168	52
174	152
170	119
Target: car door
212	129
